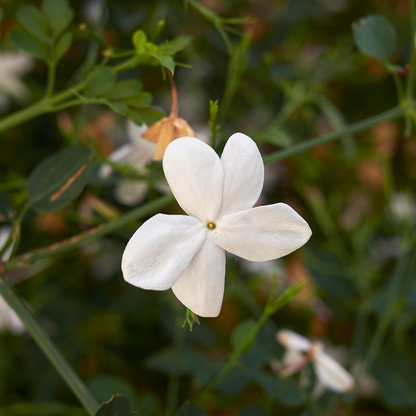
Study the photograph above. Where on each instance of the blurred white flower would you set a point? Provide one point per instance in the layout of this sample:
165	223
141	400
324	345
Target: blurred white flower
402	207
137	154
187	253
301	351
8	318
12	66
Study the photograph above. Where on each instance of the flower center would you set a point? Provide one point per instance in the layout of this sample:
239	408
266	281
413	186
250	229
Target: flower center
211	226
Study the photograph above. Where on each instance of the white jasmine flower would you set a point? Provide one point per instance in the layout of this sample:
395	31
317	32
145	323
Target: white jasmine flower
12	66
331	374
137	154
187	253
8	318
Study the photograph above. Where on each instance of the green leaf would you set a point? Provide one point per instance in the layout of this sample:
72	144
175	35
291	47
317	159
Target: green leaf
104	387
143	99
241	332
100	81
59	14
139	41
34	21
375	37
165	60
63	45
124	89
190	409
30	44
59	179
119	108
175	45
145	115
119	405
7	211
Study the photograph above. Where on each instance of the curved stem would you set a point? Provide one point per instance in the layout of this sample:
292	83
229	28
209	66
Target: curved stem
326	138
49	348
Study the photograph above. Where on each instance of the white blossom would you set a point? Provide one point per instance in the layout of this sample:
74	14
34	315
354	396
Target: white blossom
12	66
187	253
330	374
8	318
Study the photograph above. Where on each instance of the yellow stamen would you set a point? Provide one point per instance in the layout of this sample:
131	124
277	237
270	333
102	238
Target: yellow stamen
211	226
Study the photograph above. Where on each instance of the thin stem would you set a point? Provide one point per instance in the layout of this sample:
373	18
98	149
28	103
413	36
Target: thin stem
49	348
174	110
399	87
51	79
101	230
411	77
326	138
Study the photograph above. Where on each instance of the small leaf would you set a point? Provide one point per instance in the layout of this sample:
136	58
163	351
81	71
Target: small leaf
241	332
139	41
100	81
63	45
59	179
28	43
103	387
175	45
124	89
119	405
190	409
143	99
145	115
165	60
7	211
119	108
34	21
285	298
59	14
375	37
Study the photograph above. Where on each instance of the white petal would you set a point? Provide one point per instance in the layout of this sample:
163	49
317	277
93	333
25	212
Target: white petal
201	287
293	341
9	320
292	357
131	192
161	249
331	374
243	174
134	133
262	233
195	174
5	231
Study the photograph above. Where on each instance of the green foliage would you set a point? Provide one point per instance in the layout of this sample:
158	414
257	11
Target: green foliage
119	405
252	411
29	44
124	89
59	14
63	45
59	179
241	332
7	211
375	37
34	21
190	409
100	81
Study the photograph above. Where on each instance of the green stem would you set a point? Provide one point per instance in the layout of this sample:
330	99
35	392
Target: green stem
399	88
51	79
47	104
411	77
49	348
101	230
326	138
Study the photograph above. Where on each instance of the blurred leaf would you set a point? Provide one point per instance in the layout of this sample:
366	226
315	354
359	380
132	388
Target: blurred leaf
175	45
34	21
59	179
59	14
190	409
375	37
142	99
252	411
139	41
63	45
100	81
119	108
241	332
285	297
165	60
7	211
29	43
276	136
124	89
145	115
41	409
104	387
118	406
